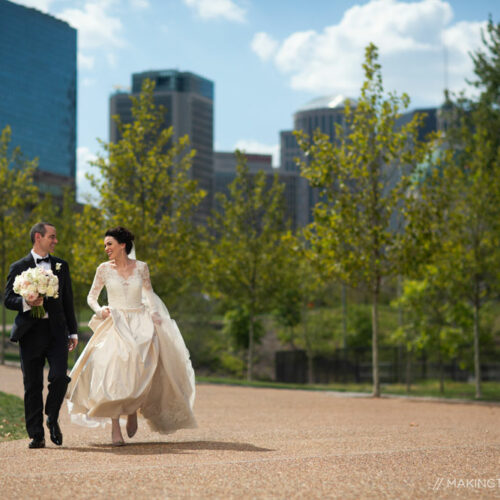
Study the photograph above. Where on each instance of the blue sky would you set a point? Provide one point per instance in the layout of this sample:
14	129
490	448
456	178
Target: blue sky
266	57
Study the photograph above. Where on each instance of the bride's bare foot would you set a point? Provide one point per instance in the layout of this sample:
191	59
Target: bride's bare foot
132	425
116	433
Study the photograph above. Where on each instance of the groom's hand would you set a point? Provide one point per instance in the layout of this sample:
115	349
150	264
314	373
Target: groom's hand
72	343
37	302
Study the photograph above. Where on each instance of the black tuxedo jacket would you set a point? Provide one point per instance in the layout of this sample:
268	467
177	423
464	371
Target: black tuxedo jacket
61	311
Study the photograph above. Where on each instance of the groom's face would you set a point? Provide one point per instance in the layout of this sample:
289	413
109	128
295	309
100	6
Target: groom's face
47	242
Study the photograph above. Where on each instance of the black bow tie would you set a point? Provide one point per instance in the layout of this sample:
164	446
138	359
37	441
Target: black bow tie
44	259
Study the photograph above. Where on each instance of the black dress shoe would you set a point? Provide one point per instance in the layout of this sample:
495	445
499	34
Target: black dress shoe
55	432
37	443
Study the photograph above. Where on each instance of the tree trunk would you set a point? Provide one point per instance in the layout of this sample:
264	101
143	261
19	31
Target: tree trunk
441	370
291	341
376	381
310	367
307	344
401	325
250	348
344	318
408	370
477	366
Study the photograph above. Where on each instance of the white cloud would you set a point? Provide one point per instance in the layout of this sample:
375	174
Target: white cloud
42	5
251	146
84	61
85	191
411	38
96	27
213	9
264	45
140	4
459	40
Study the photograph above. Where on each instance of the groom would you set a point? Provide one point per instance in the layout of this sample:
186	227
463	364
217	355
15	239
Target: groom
46	338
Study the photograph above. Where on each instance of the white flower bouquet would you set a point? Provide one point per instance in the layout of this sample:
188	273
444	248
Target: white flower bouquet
37	282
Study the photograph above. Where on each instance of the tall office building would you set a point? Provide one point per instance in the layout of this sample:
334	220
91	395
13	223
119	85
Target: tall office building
38	91
225	168
188	99
431	120
319	114
323	114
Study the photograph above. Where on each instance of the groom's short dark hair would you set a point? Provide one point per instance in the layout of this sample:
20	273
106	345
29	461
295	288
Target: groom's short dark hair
39	227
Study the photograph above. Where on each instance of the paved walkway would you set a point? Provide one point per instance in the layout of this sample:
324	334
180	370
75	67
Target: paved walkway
265	443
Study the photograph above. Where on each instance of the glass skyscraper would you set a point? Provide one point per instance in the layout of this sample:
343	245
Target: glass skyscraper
319	114
188	100
38	91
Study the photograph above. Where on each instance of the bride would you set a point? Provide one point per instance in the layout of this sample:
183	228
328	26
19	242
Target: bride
136	360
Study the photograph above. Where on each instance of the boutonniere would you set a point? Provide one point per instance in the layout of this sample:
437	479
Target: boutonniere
58	266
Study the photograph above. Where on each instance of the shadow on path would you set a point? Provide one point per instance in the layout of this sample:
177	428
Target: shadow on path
158	448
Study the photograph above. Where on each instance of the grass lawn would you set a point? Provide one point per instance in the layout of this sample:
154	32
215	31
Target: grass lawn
427	388
11	417
424	388
452	389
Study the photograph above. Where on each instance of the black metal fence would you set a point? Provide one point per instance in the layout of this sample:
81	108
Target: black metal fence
355	365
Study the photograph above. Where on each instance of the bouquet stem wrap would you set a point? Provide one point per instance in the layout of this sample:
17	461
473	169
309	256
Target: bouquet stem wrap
37	312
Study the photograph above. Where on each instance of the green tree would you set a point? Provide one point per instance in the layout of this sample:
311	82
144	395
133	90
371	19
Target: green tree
87	251
473	221
487	65
471	183
236	332
237	325
294	288
18	194
245	247
145	184
433	320
364	177
301	288
61	213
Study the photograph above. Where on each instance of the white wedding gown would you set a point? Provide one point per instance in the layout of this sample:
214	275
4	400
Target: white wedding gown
135	360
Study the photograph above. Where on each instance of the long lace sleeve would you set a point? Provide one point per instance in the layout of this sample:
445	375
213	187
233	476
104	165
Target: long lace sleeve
147	289
95	290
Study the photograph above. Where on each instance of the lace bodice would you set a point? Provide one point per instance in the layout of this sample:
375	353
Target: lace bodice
123	292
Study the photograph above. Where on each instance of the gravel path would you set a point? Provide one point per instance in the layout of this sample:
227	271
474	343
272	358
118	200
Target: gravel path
266	443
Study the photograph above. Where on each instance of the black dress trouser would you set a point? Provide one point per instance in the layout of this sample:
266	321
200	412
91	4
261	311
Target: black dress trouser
35	347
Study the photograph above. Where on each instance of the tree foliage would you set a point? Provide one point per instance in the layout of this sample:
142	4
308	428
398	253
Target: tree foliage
301	288
245	247
145	184
470	259
487	64
434	320
364	177
17	195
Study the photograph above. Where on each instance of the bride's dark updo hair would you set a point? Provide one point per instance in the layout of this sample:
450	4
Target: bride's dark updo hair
121	235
